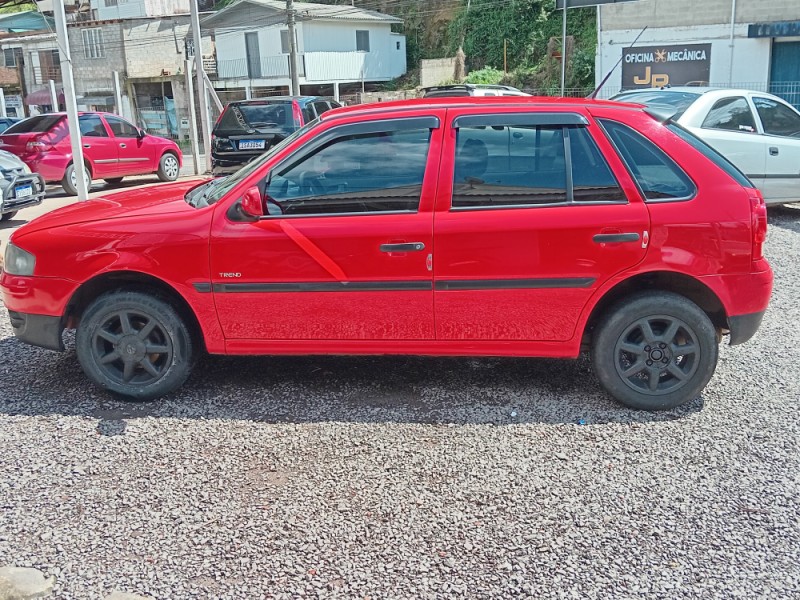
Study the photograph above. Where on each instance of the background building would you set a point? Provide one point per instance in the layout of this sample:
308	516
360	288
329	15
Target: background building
753	44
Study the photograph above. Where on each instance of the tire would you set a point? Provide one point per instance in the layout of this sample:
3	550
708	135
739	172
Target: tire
152	359
114	180
655	351
168	167
8	216
69	182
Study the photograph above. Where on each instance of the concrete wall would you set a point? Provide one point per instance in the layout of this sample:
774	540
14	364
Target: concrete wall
436	71
140	8
686	13
94	76
150	46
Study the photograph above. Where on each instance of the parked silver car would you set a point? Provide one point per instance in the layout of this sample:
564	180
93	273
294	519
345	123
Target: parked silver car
19	186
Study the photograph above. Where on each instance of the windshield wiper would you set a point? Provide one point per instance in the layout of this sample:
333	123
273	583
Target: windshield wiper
196	195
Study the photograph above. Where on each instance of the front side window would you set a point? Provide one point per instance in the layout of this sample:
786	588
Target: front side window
362	41
657	175
122	128
93	43
777	118
509	166
92	126
731	114
359	173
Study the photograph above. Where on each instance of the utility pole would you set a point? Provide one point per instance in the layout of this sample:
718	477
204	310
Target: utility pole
69	98
201	83
295	91
564	45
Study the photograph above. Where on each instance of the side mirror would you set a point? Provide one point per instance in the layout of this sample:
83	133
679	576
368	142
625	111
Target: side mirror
252	206
141	133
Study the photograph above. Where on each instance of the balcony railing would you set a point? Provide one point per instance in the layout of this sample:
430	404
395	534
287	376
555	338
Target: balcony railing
45	74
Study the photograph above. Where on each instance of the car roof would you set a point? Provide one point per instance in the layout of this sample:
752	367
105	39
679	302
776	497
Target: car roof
486	101
267	99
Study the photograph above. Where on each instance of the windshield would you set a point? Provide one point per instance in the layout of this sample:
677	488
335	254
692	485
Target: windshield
211	192
37	124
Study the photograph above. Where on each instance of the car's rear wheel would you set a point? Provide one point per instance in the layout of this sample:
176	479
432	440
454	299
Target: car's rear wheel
134	344
70	181
168	167
8	216
655	351
114	180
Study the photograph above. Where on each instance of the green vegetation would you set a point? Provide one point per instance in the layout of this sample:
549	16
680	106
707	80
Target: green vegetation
15	8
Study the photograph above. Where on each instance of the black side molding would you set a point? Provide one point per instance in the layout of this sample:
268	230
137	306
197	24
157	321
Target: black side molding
743	327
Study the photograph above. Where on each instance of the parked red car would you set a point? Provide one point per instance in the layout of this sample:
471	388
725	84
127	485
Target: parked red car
453	226
112	149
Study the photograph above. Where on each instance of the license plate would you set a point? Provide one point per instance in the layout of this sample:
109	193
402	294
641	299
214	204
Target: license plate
23	191
251	144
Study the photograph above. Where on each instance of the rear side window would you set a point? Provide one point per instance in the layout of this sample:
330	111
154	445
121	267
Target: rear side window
92	126
711	154
36	124
731	114
657	175
777	118
515	165
592	179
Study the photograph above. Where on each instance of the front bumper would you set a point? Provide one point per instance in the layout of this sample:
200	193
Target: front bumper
38	330
11	203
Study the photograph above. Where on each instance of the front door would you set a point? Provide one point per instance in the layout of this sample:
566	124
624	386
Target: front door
344	251
135	155
98	147
526	230
781	124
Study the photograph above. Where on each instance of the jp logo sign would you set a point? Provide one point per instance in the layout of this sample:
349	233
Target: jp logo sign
657	66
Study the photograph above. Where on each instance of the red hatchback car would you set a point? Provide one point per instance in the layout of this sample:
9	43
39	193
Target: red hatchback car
112	149
475	226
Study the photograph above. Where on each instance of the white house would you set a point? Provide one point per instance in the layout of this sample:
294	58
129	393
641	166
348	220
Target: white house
336	44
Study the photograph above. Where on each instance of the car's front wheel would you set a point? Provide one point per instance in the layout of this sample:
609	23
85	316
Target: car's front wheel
70	181
8	216
655	351
134	344
168	167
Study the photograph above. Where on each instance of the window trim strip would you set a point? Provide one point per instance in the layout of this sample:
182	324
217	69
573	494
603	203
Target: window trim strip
558	119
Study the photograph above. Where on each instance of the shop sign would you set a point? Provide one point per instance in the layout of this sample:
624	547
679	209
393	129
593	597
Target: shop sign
657	66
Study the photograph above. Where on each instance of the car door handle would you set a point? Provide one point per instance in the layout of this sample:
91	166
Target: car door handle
773	151
404	247
122	146
87	145
614	238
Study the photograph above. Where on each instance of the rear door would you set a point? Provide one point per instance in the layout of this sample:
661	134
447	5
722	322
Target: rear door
98	146
530	221
781	126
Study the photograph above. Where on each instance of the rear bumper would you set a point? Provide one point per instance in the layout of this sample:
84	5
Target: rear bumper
38	330
743	327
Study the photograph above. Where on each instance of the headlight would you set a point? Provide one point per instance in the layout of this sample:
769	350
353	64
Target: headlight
18	261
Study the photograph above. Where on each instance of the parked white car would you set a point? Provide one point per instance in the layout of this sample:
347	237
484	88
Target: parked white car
756	131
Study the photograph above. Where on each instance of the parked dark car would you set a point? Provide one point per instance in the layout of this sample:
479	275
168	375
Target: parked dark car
248	128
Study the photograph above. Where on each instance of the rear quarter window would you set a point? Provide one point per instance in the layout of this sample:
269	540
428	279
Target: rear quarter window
657	175
37	124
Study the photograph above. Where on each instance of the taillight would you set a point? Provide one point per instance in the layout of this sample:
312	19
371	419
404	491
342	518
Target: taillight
297	114
758	220
35	145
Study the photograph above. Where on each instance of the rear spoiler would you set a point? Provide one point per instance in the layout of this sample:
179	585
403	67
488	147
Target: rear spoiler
663	114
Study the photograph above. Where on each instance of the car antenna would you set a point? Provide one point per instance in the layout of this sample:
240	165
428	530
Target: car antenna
593	95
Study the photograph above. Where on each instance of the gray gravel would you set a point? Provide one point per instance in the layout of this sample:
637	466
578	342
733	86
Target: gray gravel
410	478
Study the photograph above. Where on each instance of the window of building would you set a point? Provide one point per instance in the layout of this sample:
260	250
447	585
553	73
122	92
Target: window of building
109	3
9	58
49	66
363	173
500	166
362	41
731	114
777	118
657	175
285	41
93	43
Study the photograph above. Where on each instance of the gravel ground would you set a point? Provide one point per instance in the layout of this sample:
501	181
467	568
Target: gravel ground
410	477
